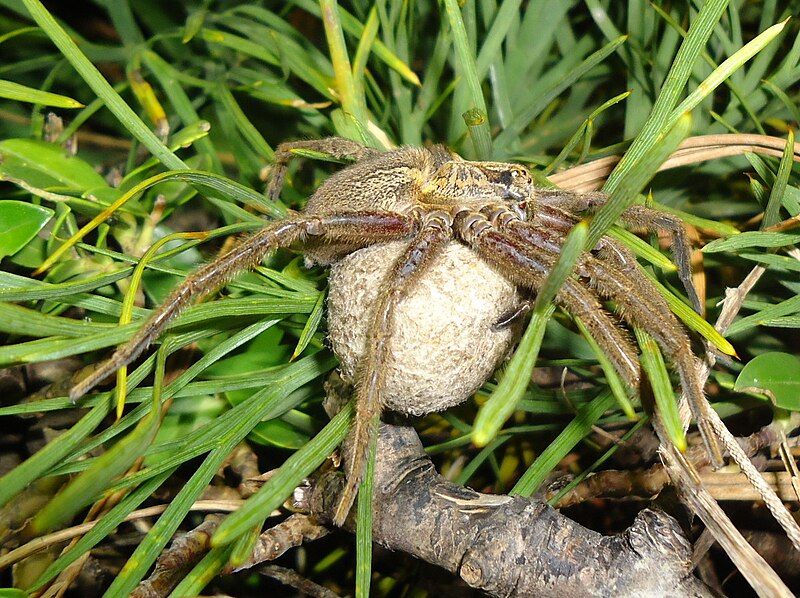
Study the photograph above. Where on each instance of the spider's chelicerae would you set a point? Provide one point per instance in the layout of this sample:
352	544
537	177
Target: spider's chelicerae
431	257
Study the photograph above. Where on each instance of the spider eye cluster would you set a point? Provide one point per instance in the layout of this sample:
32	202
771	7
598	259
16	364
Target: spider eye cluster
514	182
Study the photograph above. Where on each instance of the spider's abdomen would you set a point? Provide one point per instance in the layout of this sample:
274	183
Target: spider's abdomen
444	345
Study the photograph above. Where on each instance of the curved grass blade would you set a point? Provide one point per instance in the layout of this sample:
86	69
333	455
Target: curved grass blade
612	377
517	375
286	479
130	296
204	179
101	87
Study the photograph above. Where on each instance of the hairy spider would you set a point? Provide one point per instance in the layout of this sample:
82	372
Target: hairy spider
427	253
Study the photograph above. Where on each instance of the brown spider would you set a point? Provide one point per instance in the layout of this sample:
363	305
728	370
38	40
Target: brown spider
415	231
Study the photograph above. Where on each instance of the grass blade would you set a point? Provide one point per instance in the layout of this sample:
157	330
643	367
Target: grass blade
572	434
101	87
286	479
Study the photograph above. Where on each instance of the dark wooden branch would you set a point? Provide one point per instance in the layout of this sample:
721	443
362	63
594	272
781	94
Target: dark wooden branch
511	546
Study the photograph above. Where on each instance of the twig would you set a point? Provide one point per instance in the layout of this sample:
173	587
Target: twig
510	546
296	581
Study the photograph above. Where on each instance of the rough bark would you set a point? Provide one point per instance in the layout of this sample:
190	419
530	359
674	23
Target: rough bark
512	546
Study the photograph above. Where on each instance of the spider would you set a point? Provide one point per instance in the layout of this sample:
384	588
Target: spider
415	231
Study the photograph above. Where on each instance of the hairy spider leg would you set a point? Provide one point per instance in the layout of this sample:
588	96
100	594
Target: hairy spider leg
639	304
338	148
527	265
357	228
557	209
435	232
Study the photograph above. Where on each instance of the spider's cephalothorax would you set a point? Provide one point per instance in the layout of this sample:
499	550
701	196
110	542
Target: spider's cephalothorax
428	252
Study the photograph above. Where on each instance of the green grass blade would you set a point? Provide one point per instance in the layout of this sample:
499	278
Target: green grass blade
101	87
203	572
310	327
632	180
666	405
286	479
364	523
573	433
656	125
247	415
751	239
772	211
516	376
612	377
349	97
23	93
468	70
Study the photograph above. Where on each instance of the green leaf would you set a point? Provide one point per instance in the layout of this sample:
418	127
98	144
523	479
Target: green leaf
42	164
22	93
19	223
776	375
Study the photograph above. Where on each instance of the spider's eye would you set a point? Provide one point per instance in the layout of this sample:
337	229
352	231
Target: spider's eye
507	177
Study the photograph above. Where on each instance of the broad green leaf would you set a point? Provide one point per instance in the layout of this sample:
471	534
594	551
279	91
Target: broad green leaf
19	223
775	374
42	164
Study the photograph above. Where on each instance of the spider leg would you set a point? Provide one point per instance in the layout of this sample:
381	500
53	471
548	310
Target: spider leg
640	304
527	263
337	147
356	228
434	234
556	208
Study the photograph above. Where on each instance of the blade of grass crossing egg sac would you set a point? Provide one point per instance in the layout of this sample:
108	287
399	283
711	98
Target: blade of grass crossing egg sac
503	401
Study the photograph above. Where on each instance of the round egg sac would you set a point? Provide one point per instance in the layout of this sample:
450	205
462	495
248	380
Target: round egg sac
444	344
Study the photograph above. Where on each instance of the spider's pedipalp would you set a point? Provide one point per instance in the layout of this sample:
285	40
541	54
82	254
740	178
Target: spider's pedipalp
435	232
355	228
